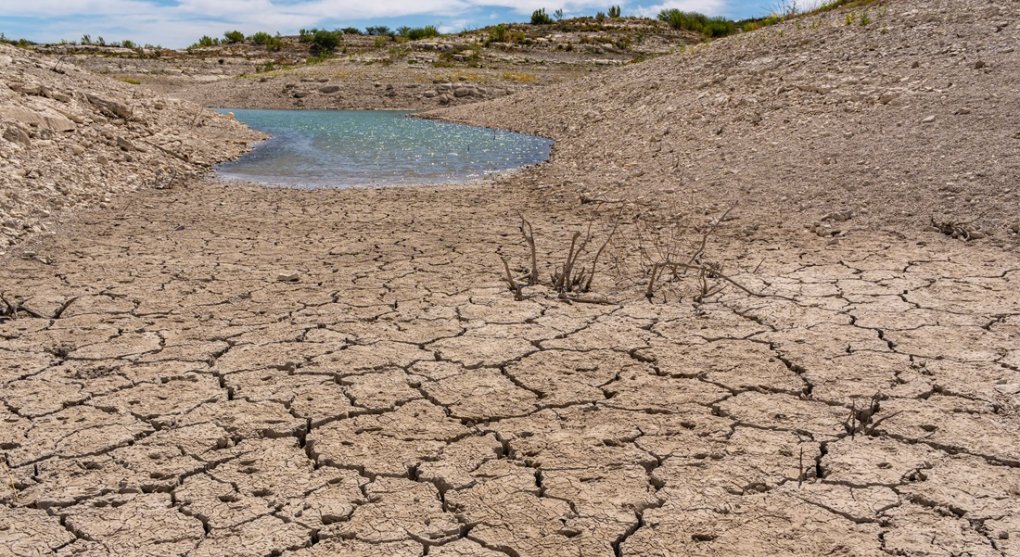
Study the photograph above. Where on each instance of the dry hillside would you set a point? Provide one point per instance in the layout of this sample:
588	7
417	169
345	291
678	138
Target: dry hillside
71	139
880	116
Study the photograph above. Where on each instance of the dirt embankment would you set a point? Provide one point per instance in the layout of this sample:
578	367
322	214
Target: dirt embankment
882	116
73	139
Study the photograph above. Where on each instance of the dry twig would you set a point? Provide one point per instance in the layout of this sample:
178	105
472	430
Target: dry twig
514	286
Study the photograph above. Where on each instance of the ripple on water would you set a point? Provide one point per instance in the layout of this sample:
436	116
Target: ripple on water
334	148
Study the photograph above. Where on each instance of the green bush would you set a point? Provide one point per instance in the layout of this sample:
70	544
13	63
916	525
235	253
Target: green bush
498	33
539	17
351	31
324	42
614	12
698	23
205	42
234	37
379	31
128	44
260	38
417	33
265	39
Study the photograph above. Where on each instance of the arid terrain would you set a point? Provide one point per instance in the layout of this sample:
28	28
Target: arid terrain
383	73
779	353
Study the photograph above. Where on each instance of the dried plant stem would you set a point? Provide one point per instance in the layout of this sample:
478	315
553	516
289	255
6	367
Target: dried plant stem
514	286
529	238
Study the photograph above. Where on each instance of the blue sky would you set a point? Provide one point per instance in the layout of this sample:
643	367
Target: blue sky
177	23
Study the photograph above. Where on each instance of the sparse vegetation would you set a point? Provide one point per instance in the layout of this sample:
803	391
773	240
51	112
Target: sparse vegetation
520	77
379	31
418	33
696	22
263	39
571	279
498	33
204	42
20	43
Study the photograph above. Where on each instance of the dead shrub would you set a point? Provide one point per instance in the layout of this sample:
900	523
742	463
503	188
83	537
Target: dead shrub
571	278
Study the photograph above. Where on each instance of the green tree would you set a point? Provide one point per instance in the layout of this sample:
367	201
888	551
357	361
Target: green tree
234	37
539	17
614	12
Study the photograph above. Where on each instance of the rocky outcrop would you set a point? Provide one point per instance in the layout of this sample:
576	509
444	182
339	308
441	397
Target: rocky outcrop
72	139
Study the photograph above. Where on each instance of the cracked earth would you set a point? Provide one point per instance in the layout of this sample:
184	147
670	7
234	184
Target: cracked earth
214	370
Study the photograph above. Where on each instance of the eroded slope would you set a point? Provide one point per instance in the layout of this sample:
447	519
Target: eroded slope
910	115
72	139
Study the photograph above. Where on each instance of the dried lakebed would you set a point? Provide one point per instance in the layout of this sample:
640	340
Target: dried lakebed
331	148
165	393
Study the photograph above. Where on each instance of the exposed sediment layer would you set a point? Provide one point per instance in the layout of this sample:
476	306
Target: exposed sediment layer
72	139
883	124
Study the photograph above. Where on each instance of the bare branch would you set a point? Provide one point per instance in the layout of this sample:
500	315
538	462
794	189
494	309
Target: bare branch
514	286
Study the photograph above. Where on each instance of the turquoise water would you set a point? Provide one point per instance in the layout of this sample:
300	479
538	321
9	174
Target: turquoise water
330	148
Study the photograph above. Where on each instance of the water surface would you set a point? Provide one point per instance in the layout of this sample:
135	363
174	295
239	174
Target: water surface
331	148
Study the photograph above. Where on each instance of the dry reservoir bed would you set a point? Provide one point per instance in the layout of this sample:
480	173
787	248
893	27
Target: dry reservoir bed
168	389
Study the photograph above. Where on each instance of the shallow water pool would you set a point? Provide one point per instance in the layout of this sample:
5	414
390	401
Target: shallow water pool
331	148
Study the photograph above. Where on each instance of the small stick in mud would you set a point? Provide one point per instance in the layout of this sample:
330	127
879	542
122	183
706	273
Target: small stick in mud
853	418
529	238
514	286
10	481
595	260
800	476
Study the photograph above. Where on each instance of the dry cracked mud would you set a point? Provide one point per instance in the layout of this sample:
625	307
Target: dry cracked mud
165	393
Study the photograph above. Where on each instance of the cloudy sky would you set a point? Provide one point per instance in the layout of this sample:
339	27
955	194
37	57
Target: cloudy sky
177	23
